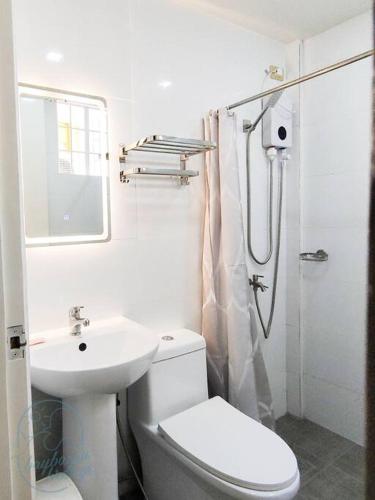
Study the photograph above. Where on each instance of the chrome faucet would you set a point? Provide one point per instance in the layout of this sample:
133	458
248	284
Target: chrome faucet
76	321
256	283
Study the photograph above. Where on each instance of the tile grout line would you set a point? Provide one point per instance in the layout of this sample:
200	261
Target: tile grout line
329	464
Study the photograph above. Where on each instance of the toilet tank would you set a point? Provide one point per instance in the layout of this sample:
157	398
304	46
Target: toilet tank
176	381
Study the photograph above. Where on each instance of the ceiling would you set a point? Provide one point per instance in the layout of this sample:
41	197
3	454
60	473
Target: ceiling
286	20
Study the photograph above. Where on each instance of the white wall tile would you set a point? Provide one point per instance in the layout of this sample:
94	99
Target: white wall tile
326	143
335	307
336	201
293	349
279	400
326	95
336	148
341	358
293	394
123	197
344	40
150	270
62	276
337	409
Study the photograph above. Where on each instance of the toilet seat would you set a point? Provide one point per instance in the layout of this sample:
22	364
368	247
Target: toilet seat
231	446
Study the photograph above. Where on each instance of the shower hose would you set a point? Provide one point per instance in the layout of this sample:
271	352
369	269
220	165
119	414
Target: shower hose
266	325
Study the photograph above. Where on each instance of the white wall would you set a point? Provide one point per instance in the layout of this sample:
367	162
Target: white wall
336	149
151	269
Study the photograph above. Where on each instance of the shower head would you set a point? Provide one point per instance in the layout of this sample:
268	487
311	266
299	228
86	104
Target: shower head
271	103
273	99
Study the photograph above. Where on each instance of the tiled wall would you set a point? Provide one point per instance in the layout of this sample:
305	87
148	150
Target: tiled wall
335	181
151	269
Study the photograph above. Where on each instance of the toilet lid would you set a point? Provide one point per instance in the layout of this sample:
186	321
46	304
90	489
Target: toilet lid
232	446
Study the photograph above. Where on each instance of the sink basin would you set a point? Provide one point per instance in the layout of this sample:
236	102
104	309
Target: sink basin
86	372
108	357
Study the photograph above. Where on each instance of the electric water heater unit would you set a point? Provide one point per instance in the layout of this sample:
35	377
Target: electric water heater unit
278	124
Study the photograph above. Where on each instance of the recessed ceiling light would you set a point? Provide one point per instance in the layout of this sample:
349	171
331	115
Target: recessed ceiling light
165	84
54	56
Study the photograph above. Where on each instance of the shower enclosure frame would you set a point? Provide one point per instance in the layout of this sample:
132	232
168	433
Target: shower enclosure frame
247	124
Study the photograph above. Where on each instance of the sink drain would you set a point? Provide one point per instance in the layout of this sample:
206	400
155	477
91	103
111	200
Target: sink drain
167	337
82	347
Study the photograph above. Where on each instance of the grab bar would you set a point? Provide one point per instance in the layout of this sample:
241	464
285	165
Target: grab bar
318	256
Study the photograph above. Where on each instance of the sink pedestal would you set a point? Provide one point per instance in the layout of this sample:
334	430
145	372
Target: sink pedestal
90	444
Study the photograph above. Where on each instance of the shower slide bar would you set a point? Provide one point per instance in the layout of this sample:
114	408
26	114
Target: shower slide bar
305	78
164	144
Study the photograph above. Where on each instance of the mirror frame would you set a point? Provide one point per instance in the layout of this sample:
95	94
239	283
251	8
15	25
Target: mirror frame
30	90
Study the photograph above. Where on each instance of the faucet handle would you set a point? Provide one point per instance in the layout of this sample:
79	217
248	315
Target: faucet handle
75	311
256	283
76	321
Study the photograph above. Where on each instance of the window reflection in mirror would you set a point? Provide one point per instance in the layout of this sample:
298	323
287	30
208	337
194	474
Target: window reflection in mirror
64	167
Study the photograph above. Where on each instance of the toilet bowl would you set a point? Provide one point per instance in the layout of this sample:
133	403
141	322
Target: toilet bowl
195	447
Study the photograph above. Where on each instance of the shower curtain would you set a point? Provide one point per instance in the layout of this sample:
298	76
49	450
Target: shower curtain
235	364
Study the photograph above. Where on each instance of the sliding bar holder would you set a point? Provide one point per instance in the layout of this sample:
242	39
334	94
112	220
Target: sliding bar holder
318	256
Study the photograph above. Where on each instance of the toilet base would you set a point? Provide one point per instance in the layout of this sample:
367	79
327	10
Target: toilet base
168	474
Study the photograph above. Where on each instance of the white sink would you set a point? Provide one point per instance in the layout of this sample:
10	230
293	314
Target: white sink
87	371
108	357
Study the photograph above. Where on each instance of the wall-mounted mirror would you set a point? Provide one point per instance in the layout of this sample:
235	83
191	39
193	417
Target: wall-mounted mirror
64	167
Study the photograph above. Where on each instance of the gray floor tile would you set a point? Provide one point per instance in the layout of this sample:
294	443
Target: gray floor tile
338	476
308	466
353	462
333	483
302	496
290	429
321	443
287	421
331	466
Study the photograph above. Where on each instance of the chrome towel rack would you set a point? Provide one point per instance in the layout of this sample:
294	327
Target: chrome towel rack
164	144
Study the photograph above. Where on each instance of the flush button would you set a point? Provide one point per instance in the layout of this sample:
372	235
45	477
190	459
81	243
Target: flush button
167	337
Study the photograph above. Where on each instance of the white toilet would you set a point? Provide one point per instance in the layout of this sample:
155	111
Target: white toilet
192	447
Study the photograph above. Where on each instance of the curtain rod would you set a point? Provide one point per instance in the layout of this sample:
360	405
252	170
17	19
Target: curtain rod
305	78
